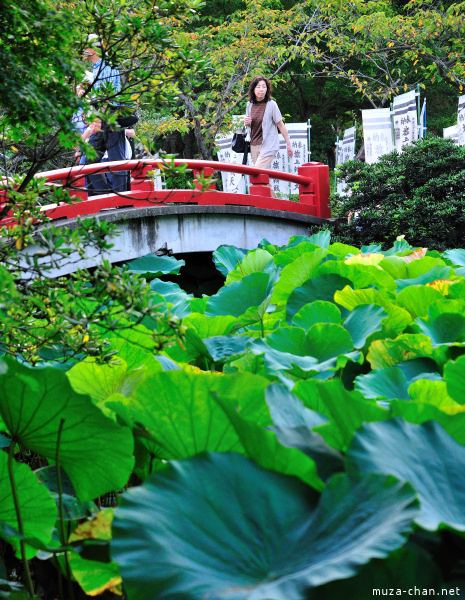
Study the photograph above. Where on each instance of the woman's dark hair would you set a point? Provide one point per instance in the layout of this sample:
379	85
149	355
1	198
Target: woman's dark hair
253	84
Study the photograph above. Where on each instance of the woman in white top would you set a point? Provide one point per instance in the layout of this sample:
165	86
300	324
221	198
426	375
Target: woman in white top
264	118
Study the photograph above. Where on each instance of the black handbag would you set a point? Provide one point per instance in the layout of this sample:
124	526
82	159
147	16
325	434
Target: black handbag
126	115
238	142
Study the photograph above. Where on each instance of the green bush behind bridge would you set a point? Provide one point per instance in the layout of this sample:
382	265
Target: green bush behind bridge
418	193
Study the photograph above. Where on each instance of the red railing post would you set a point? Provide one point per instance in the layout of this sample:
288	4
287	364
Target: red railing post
317	193
140	180
259	185
81	193
207	172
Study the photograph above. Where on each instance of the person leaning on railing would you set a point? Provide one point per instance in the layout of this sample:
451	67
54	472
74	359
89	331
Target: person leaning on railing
104	138
264	119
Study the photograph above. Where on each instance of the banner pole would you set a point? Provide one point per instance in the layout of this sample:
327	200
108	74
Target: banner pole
308	140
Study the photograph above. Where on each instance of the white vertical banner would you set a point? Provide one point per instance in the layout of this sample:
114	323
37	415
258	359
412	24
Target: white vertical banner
461	122
232	182
280	163
404	111
451	133
345	152
377	133
298	134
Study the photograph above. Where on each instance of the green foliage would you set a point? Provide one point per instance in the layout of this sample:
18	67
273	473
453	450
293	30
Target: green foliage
417	194
194	507
321	438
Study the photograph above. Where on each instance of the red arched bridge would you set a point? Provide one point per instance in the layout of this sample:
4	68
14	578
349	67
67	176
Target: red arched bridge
154	220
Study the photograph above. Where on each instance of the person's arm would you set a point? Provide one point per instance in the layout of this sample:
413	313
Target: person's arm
283	130
85	135
247	118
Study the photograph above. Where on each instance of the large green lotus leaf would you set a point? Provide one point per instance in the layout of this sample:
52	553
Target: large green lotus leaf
396	323
350	299
317	350
226	258
316	312
371	248
277	362
254	261
426	456
91	567
361	276
136	335
296	273
252	291
133	356
456	256
174	295
424	265
268	323
73	509
38	510
445	324
155	266
249	363
365	259
181	413
222	347
454	374
417	299
101	381
318	288
263	446
419	412
192	349
342	250
387	353
293	425
405	569
290	339
198	304
390	383
220	527
398	318
435	393
363	321
399	268
437	272
456	288
346	410
399	246
328	340
322	238
268	246
287	410
94	577
166	363
94	451
209	326
285	257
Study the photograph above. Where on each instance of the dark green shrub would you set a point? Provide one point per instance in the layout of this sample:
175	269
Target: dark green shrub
419	193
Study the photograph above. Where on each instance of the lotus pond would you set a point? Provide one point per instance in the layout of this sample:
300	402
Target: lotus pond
305	439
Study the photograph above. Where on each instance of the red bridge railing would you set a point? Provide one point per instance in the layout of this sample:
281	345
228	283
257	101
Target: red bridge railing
312	179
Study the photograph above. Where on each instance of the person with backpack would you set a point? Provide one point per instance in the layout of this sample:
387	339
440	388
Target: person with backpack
104	138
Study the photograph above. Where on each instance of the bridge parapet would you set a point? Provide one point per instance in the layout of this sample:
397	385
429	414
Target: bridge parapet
313	181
